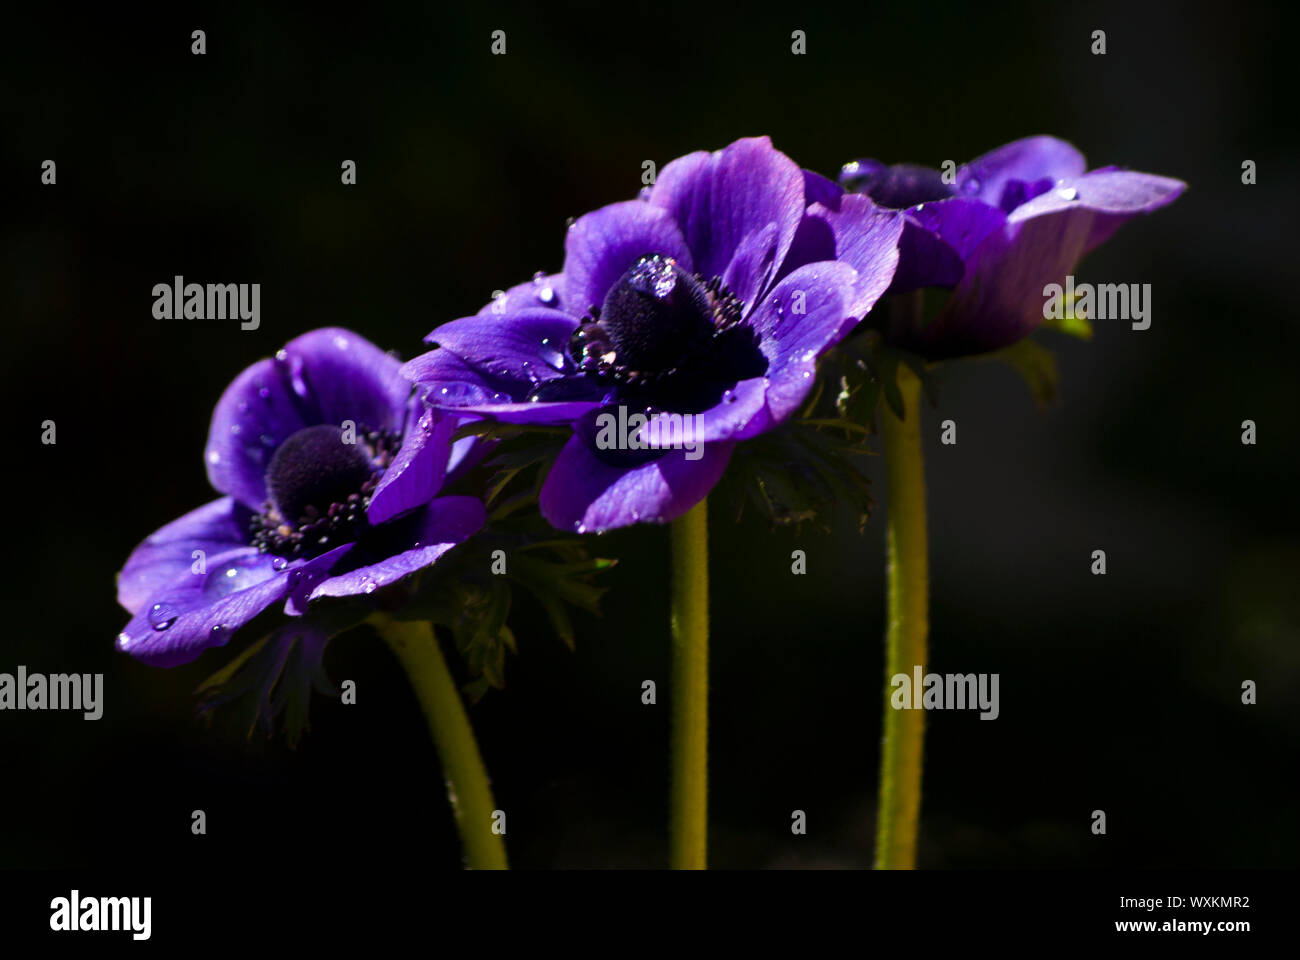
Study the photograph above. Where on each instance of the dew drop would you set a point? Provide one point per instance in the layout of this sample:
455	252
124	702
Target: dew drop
123	641
264	393
162	615
1068	193
214	457
281	356
278	564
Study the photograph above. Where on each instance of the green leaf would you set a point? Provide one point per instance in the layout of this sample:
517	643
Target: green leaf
800	472
559	585
270	681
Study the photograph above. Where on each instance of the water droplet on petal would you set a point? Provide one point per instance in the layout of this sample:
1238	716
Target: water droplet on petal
278	564
162	615
123	641
214	457
264	393
236	429
237	575
220	633
281	356
1068	193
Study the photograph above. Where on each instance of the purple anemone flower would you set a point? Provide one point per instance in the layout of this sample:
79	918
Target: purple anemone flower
329	469
682	323
1012	222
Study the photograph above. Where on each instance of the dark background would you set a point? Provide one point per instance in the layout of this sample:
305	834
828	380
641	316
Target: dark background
1118	692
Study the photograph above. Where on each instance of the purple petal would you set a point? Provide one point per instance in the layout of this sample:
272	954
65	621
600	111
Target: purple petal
1000	298
446	522
214	528
1115	196
792	340
586	494
448	382
417	472
196	611
1113	192
544	290
1033	158
866	238
937	240
818	189
751	268
719	199
525	346
325	376
601	246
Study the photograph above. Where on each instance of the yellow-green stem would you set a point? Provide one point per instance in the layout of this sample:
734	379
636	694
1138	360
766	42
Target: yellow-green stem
416	647
690	693
909	598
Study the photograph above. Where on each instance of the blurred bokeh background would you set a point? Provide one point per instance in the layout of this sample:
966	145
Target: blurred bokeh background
1119	692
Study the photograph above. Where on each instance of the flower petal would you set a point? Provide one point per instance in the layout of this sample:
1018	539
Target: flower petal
214	528
937	240
721	198
448	382
1032	158
586	494
544	290
805	315
525	345
999	300
417	472
444	523
196	611
601	246
866	238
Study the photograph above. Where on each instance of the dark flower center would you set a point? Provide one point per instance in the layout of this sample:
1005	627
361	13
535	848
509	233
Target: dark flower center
656	320
319	483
